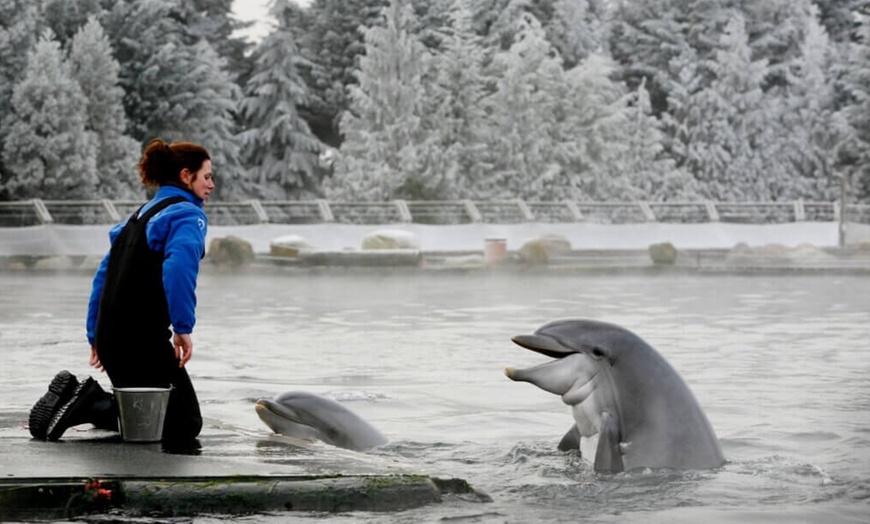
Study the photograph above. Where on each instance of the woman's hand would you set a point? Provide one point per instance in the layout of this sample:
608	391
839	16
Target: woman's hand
183	348
95	359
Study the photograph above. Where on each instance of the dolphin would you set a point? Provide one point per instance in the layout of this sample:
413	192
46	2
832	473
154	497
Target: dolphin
623	390
309	416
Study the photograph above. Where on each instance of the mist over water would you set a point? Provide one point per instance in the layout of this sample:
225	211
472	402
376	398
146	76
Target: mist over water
780	365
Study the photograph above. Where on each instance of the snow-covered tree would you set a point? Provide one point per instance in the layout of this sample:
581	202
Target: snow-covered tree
174	90
522	118
333	41
593	140
96	71
812	129
720	128
651	173
856	82
66	17
381	156
576	29
279	149
457	119
213	21
48	149
19	22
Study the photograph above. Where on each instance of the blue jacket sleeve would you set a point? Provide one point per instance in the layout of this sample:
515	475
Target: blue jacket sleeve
182	251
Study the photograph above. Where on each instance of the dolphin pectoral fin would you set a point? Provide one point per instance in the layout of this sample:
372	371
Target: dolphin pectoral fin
571	440
608	457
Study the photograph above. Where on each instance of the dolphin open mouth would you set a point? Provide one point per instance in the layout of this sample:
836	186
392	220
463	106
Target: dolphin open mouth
543	345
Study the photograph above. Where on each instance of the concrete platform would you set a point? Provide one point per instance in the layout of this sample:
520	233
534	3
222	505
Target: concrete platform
227	471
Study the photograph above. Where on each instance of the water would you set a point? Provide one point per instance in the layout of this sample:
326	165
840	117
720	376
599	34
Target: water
780	364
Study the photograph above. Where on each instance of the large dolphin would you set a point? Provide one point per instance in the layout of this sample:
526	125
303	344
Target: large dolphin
309	416
621	388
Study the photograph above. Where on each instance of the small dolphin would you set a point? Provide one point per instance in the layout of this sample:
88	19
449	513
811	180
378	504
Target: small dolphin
309	416
622	389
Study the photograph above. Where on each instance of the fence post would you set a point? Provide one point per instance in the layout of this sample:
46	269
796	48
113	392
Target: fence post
259	211
799	212
647	211
574	210
526	212
472	211
404	212
325	211
110	210
41	211
711	211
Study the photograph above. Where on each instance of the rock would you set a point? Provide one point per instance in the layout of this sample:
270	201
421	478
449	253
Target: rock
230	251
664	253
555	244
56	263
539	251
534	253
289	246
390	239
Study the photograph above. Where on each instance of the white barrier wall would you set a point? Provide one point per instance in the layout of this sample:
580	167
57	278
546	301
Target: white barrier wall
56	239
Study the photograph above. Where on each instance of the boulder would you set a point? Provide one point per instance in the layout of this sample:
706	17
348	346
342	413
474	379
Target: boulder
663	253
230	251
390	239
289	246
539	251
534	253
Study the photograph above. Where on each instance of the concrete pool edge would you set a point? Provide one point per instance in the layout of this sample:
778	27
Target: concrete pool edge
54	498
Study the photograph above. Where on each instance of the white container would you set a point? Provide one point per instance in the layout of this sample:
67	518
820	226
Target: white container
141	412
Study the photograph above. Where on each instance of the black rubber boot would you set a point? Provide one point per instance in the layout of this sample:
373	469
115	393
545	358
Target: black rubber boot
81	408
60	391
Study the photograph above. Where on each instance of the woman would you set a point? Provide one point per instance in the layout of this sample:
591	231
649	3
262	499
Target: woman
145	285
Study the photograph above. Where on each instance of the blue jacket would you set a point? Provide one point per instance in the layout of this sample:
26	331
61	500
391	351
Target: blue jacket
179	231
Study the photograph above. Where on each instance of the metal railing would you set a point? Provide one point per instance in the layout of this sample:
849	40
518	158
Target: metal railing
36	211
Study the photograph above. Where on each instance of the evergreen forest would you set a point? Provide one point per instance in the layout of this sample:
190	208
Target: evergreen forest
374	100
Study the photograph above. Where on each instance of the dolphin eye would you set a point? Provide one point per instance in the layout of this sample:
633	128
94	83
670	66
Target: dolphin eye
598	352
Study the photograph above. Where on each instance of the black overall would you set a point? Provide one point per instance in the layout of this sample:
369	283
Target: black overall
133	327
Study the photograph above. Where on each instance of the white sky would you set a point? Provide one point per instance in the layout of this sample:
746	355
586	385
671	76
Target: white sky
258	11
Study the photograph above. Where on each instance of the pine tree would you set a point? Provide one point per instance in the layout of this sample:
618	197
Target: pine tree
594	135
380	156
213	21
279	148
138	31
19	22
856	81
48	150
647	169
334	41
576	29
522	118
66	17
96	71
813	130
174	90
457	118
721	127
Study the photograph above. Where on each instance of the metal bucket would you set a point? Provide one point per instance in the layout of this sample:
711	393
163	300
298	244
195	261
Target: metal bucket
142	411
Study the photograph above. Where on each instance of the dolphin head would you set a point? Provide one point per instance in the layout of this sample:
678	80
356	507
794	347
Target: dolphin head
309	416
584	353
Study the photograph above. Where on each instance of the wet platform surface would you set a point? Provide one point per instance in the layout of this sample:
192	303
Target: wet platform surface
226	471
